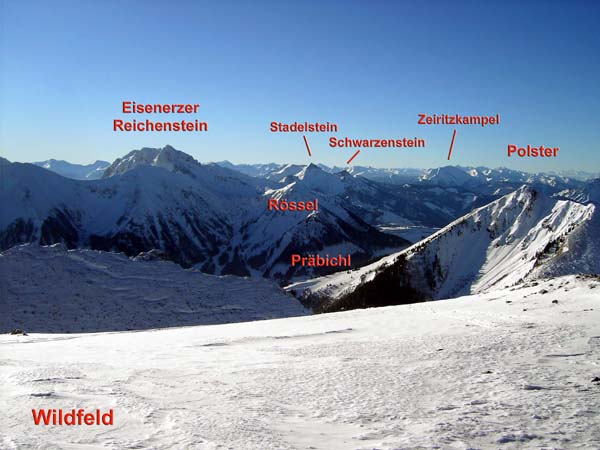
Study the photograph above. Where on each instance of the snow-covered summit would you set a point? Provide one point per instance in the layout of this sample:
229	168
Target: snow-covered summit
284	172
447	176
317	179
166	157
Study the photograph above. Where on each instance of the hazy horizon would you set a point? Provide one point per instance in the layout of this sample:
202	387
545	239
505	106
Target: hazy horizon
449	164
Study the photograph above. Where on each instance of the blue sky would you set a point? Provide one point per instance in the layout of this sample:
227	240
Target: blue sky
370	66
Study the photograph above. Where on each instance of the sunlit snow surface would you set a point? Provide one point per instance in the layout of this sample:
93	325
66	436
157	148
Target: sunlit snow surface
507	369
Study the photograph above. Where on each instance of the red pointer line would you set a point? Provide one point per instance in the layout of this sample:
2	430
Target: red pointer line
353	156
307	146
451	145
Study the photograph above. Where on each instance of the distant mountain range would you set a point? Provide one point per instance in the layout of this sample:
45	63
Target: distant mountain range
443	175
214	217
92	171
446	176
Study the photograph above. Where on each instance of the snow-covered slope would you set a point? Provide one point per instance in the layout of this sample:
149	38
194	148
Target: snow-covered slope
92	171
282	173
504	370
52	289
523	234
587	193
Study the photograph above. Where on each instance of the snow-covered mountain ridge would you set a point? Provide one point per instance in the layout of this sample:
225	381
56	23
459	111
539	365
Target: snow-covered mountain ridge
481	178
520	236
66	169
205	216
437	176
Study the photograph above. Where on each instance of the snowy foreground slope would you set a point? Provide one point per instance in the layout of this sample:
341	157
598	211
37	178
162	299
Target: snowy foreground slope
507	369
51	289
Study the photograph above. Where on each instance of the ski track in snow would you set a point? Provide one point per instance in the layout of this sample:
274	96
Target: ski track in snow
508	369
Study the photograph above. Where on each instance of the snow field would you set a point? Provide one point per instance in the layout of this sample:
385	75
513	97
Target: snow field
507	369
